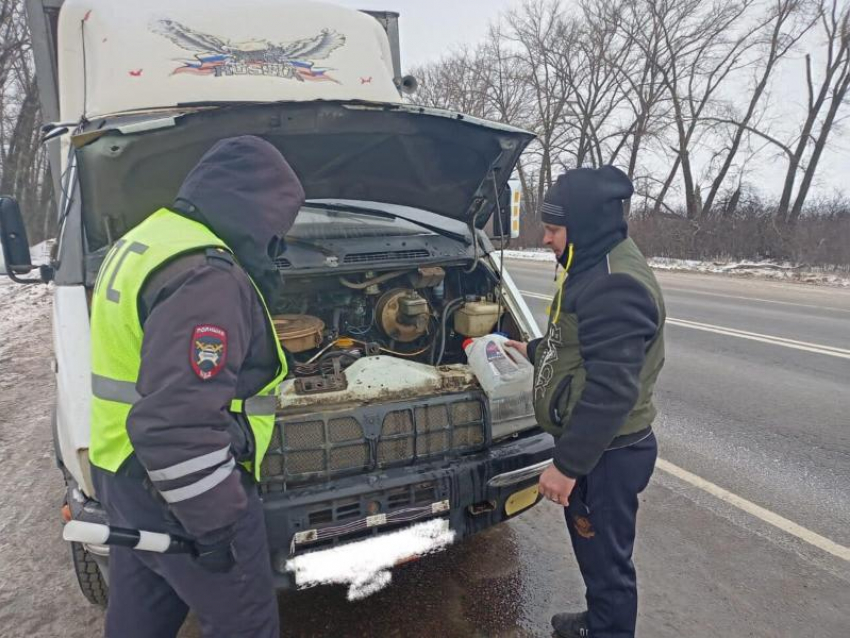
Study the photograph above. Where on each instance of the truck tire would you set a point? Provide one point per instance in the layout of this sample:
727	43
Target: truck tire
91	581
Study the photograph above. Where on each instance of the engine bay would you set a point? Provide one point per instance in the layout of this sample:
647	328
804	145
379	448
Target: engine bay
326	323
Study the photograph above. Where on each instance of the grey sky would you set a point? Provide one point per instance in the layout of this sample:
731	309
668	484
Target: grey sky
431	28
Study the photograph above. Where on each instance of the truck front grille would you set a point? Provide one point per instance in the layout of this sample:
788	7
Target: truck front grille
325	446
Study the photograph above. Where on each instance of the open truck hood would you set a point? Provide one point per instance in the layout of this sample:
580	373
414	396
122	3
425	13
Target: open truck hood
439	161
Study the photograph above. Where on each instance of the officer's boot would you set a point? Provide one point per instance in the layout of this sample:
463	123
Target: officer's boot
571	625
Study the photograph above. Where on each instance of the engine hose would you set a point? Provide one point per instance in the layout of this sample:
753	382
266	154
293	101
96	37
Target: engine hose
371	282
501	254
321	352
325	363
405	354
476	257
395	352
454	303
446	309
476	248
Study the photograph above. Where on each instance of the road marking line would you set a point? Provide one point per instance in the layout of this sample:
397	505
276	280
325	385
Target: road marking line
741	334
755	336
759	299
717	294
535	295
780	522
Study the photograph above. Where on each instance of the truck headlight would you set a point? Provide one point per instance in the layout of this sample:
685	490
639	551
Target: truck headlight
511	415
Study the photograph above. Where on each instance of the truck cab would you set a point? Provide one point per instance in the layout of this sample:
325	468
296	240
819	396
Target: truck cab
381	423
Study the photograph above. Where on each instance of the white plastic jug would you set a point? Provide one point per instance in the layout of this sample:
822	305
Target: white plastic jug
500	370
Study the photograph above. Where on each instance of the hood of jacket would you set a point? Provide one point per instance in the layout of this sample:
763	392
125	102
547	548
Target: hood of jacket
245	192
589	202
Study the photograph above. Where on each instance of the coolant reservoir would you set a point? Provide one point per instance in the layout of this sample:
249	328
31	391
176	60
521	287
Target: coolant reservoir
501	371
476	318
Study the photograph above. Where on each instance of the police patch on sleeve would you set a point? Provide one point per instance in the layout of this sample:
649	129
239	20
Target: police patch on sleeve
209	351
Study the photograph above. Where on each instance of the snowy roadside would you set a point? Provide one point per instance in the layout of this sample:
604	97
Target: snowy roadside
38	591
760	270
21	304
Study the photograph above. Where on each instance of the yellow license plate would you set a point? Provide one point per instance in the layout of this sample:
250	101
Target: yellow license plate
521	500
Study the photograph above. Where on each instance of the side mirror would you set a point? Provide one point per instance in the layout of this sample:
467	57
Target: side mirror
13	242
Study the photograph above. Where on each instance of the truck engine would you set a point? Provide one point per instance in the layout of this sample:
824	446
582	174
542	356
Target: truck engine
378	375
420	315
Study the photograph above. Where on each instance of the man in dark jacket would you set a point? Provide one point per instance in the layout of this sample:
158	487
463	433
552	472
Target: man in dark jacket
179	450
595	371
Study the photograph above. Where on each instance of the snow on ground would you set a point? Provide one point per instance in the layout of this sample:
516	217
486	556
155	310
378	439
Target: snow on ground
19	304
762	270
38	592
40	253
531	254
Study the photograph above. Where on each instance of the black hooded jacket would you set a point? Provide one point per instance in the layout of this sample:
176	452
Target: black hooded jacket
246	193
617	316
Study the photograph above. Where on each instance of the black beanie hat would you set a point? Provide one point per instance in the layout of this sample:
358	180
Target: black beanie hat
581	192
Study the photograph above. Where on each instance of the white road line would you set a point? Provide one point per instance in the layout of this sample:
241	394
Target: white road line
780	522
717	294
535	295
754	336
806	346
759	299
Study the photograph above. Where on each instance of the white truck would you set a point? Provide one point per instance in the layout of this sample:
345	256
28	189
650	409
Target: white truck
381	423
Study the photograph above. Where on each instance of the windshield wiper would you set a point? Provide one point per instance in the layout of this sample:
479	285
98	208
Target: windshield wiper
297	241
382	214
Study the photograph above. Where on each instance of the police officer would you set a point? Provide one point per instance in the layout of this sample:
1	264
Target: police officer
595	371
185	372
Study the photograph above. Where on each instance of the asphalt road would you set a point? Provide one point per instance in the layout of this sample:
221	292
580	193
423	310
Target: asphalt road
743	530
765	421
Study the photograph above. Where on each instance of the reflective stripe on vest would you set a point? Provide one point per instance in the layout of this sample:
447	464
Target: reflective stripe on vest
125	392
117	339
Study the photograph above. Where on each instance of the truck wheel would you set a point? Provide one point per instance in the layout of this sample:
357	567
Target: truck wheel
91	581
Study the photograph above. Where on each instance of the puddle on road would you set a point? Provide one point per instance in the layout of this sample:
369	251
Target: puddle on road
472	589
505	582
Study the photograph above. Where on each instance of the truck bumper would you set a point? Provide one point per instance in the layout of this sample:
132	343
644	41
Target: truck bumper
473	492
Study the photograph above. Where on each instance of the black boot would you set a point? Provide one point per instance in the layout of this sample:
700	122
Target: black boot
571	625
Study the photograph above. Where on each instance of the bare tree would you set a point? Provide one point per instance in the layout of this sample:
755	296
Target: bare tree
537	31
452	83
501	78
786	22
640	72
590	56
22	160
835	21
702	47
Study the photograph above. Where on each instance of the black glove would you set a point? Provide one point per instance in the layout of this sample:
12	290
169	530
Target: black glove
217	556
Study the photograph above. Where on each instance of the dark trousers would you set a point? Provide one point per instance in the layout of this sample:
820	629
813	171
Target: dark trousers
150	594
601	519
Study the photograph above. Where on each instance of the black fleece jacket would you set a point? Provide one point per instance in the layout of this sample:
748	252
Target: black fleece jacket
617	317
